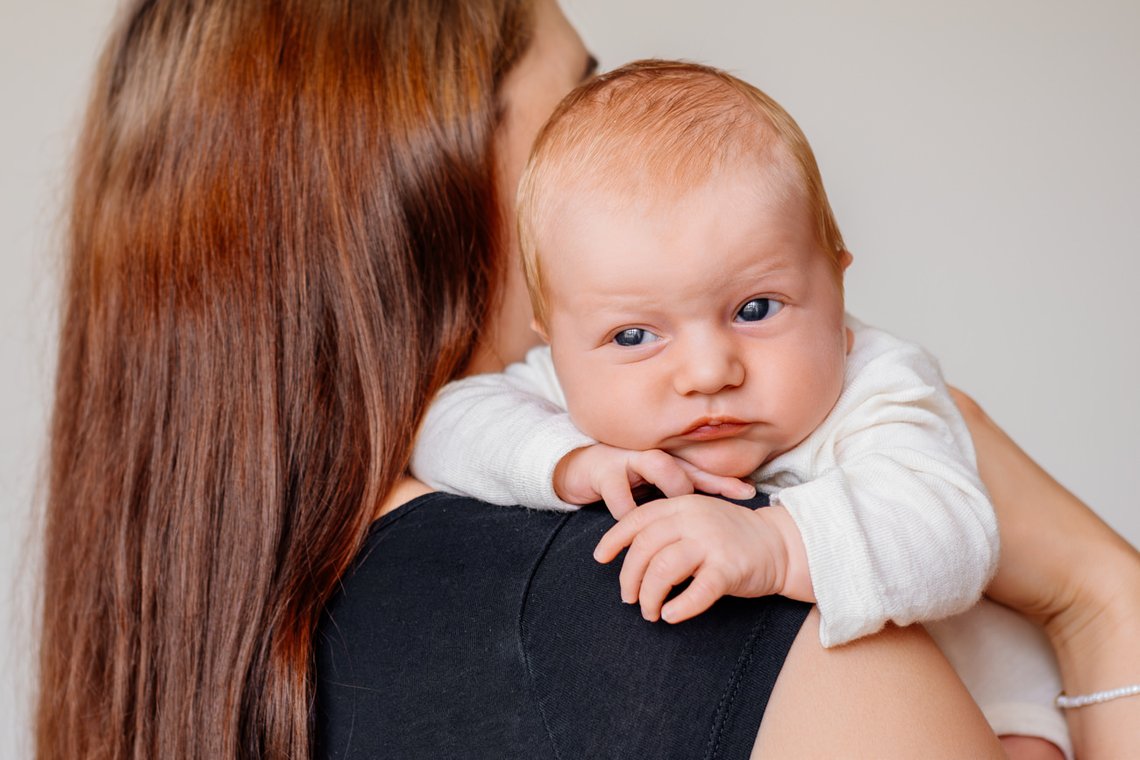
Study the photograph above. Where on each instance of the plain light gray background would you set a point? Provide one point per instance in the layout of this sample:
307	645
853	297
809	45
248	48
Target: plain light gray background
982	157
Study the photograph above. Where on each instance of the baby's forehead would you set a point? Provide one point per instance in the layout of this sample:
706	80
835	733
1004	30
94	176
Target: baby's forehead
729	219
631	181
639	194
662	161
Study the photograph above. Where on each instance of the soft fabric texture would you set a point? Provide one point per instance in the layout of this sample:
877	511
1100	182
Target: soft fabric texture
468	630
498	437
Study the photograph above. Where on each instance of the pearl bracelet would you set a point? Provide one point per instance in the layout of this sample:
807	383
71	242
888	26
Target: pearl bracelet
1066	702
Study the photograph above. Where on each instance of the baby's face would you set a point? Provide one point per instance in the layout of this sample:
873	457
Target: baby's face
708	325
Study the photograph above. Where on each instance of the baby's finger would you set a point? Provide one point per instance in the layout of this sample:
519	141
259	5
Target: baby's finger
670	566
615	491
662	470
709	584
621	535
644	547
733	488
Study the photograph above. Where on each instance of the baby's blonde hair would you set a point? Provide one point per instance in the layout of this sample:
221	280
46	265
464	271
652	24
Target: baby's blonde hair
654	127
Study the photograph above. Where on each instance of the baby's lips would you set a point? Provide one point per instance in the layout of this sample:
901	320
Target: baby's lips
714	428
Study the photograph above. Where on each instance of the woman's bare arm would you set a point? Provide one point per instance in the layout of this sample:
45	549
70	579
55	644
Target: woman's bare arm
888	695
1062	566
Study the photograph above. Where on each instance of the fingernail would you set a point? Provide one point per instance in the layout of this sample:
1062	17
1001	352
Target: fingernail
667	614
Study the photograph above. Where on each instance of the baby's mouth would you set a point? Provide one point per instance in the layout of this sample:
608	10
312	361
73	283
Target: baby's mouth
714	428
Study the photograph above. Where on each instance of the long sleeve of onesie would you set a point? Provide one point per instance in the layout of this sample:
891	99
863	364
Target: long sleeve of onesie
498	437
885	493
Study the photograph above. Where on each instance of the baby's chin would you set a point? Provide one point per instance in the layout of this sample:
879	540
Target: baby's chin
733	458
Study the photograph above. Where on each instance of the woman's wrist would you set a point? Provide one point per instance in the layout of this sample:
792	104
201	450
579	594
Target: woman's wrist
1095	642
1095	636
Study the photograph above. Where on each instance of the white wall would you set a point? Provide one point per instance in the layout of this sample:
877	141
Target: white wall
47	54
981	155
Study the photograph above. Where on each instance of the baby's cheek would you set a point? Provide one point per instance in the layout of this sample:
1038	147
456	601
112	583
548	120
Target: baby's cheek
604	409
617	424
810	399
832	386
617	411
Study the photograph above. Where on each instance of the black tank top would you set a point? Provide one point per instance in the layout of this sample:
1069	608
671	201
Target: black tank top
471	630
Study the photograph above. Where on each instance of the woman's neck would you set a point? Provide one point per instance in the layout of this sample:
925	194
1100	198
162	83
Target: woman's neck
406	489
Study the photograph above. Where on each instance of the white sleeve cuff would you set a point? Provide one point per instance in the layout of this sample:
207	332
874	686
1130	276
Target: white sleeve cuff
546	445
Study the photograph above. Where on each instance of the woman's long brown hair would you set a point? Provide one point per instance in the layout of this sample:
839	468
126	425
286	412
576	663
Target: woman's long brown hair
284	236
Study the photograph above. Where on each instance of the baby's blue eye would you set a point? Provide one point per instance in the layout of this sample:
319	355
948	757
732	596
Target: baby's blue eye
635	336
758	309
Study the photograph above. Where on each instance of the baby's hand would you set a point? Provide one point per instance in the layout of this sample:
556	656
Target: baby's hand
608	473
725	548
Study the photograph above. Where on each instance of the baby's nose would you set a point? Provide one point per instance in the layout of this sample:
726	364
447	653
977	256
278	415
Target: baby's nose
710	364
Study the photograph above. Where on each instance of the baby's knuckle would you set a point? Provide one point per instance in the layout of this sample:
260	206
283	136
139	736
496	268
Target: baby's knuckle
705	587
632	522
717	577
662	567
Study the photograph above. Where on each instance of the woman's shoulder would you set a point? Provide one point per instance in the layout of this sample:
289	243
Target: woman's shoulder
417	652
462	620
466	556
450	516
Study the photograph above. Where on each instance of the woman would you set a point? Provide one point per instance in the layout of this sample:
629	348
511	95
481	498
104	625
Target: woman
288	231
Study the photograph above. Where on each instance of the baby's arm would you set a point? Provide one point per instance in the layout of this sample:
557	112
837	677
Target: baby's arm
896	524
499	437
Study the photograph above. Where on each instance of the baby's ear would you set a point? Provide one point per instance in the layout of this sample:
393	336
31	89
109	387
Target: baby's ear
538	328
845	259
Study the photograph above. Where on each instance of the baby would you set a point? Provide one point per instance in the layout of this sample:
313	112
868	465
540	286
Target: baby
687	272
